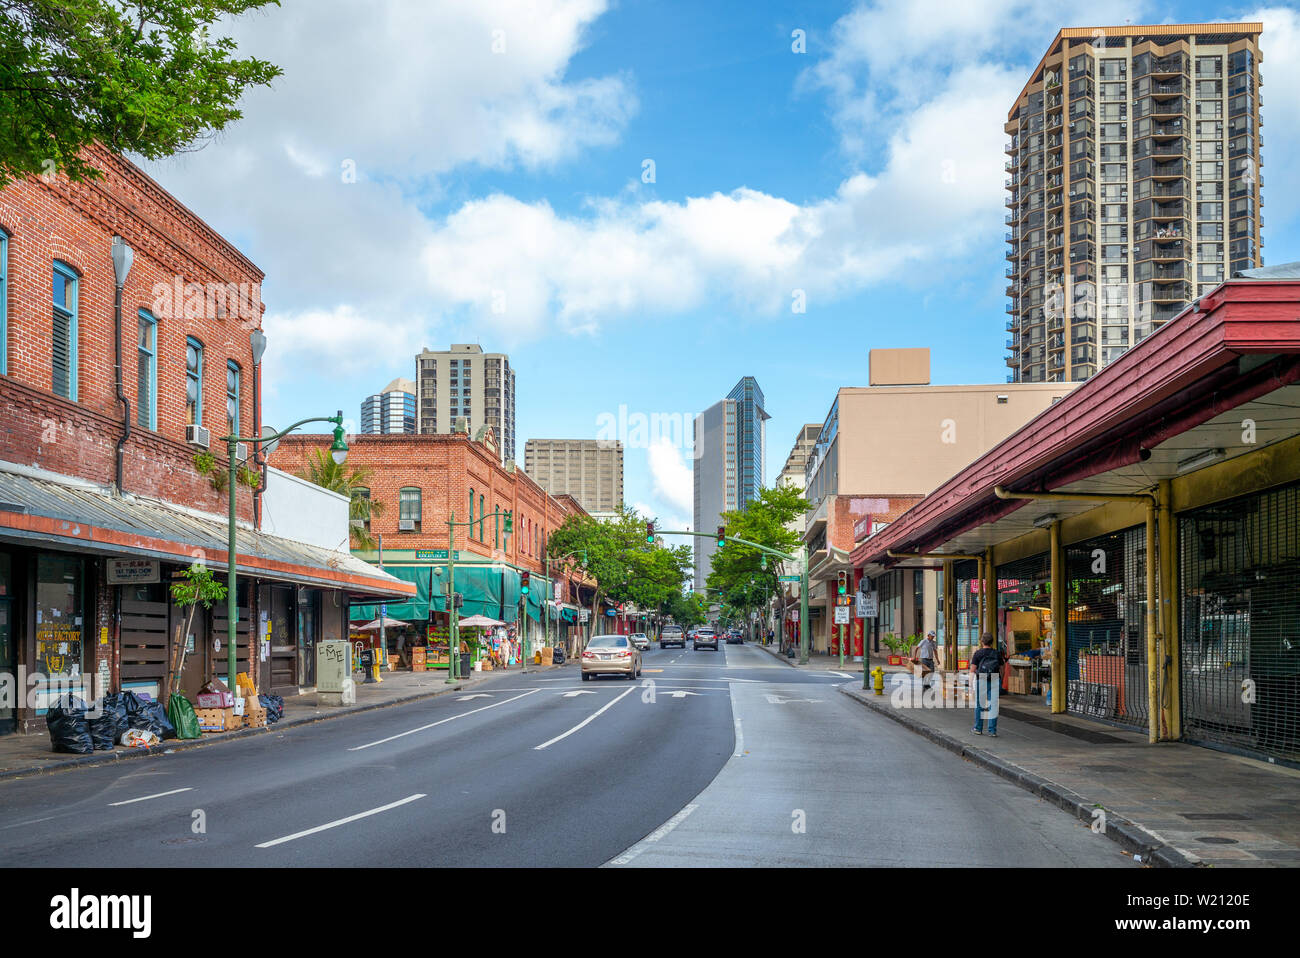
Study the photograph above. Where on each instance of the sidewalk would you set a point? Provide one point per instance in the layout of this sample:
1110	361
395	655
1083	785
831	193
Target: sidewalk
823	662
1169	804
31	754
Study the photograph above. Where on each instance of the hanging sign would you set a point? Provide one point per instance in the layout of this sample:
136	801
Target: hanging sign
133	571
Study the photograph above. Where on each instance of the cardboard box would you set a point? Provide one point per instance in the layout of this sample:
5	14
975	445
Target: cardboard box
233	721
216	700
255	717
211	720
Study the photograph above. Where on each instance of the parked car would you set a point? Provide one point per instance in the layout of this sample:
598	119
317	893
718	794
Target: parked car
705	637
672	635
641	641
610	655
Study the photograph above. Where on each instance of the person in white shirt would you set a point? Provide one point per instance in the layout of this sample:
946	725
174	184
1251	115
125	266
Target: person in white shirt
924	654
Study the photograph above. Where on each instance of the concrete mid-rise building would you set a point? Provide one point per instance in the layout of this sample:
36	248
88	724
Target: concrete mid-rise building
730	442
465	382
391	411
793	472
881	449
1135	188
590	470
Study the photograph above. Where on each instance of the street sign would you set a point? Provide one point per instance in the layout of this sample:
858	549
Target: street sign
584	615
841	615
432	555
868	603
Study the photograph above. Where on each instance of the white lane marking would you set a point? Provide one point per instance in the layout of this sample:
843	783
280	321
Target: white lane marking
476	695
569	695
843	675
145	798
777	700
422	728
589	718
342	821
740	732
682	694
654	836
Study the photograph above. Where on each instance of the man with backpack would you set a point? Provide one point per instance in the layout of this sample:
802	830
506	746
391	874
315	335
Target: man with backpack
986	673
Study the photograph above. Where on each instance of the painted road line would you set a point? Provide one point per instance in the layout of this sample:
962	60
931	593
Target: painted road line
476	695
423	728
654	836
590	718
145	798
341	821
735	715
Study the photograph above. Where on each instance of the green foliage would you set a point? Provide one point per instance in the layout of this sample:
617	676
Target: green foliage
197	586
219	479
140	77
626	568
250	477
347	481
204	463
738	577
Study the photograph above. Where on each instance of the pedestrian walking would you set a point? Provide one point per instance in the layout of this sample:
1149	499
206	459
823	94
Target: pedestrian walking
924	654
986	675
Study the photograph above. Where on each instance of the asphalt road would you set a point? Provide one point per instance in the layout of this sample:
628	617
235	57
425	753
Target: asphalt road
728	758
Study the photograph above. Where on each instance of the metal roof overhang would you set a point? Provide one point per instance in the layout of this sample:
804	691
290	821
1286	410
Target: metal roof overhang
1185	389
80	518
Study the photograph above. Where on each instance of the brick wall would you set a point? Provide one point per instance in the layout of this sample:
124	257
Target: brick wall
191	280
444	468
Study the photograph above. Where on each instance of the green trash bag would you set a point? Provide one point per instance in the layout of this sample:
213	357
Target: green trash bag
182	715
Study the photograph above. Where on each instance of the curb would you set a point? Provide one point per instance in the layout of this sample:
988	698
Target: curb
172	745
1128	835
778	656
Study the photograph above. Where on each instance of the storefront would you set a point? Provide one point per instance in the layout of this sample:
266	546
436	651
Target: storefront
1240	623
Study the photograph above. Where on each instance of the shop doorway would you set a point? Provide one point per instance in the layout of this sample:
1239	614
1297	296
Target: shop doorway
308	633
8	656
284	650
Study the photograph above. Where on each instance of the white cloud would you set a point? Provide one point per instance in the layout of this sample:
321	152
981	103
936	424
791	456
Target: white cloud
672	477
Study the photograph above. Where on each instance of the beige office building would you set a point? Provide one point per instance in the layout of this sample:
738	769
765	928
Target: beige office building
590	470
1134	180
881	449
465	382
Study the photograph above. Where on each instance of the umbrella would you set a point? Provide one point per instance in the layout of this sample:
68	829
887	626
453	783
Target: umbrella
374	626
479	621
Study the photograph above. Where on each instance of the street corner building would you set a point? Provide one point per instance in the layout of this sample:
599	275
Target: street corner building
127	332
415	486
1136	545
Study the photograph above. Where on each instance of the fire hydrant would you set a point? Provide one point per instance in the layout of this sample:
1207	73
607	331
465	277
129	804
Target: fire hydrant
878	680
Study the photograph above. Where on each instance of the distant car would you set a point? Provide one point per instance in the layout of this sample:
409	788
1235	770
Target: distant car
735	637
641	641
610	655
672	635
705	637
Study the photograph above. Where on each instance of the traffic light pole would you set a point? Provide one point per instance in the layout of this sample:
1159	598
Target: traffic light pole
801	559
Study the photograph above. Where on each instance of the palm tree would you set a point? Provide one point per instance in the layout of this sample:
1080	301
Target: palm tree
353	482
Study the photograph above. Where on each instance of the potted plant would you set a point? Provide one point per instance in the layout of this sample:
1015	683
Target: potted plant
898	648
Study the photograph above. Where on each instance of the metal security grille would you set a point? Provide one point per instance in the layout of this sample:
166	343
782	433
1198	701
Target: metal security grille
1106	642
966	574
1239	624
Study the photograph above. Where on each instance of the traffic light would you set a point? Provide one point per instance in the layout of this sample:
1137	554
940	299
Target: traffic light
722	536
844	585
649	533
523	582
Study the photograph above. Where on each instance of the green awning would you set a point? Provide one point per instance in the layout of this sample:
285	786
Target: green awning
487	590
415	609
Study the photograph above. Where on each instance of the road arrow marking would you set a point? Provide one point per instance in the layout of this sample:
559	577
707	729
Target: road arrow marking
569	695
476	695
681	695
777	700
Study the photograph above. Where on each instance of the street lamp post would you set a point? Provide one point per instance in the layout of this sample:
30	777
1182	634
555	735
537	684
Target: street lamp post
339	452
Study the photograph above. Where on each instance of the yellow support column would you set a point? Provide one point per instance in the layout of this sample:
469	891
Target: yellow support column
1173	700
1060	616
990	596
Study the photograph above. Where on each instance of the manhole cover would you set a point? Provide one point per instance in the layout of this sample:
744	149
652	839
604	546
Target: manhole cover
194	840
1217	840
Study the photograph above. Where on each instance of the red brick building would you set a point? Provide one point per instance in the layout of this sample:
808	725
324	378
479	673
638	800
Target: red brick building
421	481
108	484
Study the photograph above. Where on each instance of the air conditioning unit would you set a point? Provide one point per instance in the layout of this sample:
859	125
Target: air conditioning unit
241	452
357	523
405	525
198	435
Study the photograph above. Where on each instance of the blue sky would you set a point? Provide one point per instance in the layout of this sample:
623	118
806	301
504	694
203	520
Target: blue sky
499	151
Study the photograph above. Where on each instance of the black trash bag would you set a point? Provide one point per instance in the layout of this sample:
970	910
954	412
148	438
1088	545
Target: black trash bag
107	727
69	730
148	716
274	706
